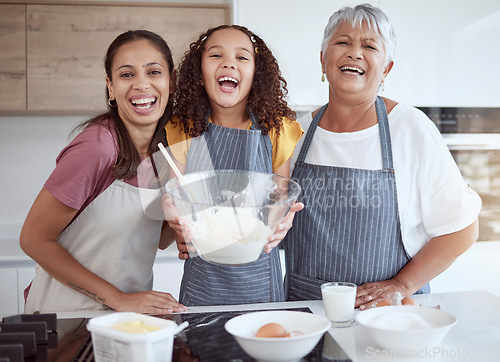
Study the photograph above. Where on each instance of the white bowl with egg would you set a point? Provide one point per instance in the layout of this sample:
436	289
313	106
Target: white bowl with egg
230	214
128	336
406	328
305	329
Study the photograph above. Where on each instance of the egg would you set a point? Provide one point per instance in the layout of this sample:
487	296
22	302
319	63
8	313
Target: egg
272	330
384	302
409	301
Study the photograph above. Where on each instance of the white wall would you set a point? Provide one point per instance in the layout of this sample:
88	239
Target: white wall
447	55
444	52
28	149
293	30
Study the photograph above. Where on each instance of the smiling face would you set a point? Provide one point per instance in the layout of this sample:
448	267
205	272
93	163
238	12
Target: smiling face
140	84
228	67
354	62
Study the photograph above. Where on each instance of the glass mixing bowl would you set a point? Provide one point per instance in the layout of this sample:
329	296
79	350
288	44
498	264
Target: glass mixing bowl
229	214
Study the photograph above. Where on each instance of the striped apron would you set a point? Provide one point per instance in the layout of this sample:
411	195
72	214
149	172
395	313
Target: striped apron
350	229
204	283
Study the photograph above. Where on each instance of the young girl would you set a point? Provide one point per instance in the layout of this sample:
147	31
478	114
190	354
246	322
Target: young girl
87	229
230	113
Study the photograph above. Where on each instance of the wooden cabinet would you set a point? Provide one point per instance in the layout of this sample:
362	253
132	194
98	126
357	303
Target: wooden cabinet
65	45
12	56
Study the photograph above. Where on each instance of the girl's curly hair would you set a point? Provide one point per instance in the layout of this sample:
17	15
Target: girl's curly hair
267	95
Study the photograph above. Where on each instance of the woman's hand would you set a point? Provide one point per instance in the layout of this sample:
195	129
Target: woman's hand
369	294
151	302
283	227
437	255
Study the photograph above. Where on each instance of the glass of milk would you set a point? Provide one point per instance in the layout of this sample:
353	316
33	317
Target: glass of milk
338	300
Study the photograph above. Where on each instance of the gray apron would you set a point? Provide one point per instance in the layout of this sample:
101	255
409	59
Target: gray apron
204	283
349	230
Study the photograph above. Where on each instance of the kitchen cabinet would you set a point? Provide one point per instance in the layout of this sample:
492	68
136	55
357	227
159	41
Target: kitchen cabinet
8	288
18	275
168	274
17	270
25	275
12	57
14	278
64	45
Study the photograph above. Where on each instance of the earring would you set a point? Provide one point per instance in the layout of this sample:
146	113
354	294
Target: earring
382	85
323	77
112	105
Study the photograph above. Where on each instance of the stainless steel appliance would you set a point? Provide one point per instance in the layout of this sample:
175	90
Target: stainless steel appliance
473	137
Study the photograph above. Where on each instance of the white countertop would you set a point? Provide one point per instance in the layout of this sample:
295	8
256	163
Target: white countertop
475	337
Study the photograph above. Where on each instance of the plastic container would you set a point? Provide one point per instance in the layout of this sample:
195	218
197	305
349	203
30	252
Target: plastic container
114	345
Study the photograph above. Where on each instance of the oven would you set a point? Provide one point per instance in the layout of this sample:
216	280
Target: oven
473	137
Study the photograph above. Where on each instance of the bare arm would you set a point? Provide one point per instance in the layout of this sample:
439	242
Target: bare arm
167	236
435	257
284	170
45	221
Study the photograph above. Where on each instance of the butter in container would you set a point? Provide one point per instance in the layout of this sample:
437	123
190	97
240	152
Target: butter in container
132	337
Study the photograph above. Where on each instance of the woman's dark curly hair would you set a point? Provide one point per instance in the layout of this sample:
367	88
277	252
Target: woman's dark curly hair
267	95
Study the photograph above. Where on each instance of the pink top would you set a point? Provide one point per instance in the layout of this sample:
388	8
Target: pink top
84	167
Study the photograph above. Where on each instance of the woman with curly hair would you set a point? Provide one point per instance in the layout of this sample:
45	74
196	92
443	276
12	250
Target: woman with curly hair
230	113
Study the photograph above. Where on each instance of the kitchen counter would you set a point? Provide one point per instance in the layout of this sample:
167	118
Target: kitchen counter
475	337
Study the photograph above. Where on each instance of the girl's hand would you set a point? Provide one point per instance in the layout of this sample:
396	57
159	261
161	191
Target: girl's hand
283	227
151	302
184	247
169	210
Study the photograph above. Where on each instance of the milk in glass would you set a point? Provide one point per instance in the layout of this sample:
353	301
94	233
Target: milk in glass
338	300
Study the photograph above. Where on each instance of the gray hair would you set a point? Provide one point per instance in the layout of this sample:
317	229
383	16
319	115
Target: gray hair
364	13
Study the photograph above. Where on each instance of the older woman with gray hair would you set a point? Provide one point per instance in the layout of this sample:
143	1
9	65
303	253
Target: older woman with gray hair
386	206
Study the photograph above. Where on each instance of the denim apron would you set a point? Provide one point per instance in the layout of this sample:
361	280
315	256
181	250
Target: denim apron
205	283
349	230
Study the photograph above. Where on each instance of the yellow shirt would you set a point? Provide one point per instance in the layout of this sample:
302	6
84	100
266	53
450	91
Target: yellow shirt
283	144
